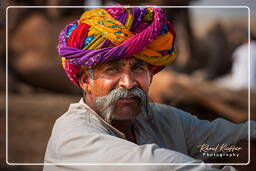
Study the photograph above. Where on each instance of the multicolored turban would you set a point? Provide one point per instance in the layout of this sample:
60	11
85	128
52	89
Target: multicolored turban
103	35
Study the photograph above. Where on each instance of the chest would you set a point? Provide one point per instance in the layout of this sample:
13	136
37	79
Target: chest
167	136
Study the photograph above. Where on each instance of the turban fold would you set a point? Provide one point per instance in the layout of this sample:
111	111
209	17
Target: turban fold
103	35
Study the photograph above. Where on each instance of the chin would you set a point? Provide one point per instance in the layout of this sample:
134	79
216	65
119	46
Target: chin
126	113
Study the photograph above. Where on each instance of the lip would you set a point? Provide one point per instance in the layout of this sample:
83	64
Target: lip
129	100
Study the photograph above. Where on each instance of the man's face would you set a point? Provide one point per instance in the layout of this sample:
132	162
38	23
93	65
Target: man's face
124	74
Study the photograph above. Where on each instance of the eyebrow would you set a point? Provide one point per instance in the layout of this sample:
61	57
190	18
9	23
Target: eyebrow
139	63
114	63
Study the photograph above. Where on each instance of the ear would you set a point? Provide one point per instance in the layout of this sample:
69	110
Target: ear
150	76
84	81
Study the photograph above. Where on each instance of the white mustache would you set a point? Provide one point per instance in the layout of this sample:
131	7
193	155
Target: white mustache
119	93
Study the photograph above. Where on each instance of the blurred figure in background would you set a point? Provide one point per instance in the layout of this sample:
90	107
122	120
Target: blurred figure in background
241	62
239	76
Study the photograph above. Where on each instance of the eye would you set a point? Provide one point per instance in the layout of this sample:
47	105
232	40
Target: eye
112	70
138	68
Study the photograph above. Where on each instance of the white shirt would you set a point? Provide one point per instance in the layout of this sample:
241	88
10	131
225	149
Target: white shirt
170	136
240	68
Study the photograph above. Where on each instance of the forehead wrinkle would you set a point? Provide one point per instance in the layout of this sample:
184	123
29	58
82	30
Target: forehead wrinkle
123	62
114	63
106	65
133	62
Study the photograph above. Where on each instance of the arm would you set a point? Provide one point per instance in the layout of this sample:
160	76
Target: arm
77	146
219	131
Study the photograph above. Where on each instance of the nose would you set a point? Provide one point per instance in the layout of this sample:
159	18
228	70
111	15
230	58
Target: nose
127	81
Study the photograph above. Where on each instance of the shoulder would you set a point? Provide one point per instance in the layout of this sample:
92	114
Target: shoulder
74	127
166	111
162	107
77	120
171	116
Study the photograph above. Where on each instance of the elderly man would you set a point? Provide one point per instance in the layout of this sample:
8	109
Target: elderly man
112	55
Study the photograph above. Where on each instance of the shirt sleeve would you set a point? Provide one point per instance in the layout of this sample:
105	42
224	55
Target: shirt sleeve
220	131
76	149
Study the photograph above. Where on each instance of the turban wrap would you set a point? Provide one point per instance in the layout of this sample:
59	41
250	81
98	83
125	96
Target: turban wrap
103	35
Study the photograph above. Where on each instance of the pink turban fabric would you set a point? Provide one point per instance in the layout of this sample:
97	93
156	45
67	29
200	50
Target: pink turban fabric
104	35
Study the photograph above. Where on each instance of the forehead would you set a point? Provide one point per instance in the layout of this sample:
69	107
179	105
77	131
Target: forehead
123	62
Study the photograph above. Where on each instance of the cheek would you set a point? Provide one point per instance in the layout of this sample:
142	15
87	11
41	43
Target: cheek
102	87
144	81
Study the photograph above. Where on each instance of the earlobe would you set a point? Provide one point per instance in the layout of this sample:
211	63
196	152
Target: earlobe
84	82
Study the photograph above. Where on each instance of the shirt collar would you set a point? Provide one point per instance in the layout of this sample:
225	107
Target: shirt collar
98	117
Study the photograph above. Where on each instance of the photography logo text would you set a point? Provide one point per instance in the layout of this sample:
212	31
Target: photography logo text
219	150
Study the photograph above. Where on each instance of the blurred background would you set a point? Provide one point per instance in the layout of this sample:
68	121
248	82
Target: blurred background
209	77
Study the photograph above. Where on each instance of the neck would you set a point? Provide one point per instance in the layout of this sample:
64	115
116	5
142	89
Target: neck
126	127
89	101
